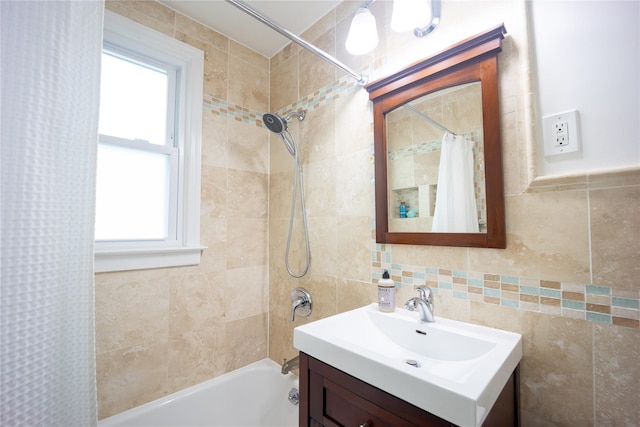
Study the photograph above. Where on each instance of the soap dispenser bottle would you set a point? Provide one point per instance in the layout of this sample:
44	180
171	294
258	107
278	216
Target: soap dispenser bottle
386	293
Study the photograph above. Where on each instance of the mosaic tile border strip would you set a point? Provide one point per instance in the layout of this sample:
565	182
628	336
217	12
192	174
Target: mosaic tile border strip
595	303
331	92
431	146
222	108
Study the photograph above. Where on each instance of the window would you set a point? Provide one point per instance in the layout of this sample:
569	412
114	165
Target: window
148	178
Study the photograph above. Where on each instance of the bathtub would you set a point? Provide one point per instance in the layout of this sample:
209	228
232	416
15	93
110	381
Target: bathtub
253	396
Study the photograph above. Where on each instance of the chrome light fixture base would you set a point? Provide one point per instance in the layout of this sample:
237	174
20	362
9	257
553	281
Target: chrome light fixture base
435	20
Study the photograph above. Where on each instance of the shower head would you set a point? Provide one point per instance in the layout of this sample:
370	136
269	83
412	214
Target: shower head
277	124
274	122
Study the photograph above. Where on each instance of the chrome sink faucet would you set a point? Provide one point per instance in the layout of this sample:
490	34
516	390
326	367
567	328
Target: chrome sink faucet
424	303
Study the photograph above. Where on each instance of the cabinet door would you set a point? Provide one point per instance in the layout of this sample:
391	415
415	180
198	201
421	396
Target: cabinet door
338	399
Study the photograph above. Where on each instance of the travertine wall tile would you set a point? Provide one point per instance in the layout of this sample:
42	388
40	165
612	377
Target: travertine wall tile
254	58
615	236
314	72
247	340
130	376
200	32
540	242
249	85
617	373
283	83
148	13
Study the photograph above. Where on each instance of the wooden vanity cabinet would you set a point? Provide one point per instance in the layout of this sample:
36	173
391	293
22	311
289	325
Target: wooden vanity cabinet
332	398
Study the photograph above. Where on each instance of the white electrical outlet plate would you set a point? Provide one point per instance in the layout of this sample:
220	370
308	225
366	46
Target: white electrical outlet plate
561	133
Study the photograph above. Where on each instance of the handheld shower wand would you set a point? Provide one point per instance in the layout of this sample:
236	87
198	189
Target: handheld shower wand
278	124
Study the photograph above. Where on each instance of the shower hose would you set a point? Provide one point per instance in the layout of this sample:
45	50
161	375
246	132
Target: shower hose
297	180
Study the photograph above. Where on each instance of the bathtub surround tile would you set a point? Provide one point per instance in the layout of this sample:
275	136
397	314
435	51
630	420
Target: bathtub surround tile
283	86
248	147
216	66
318	135
314	72
324	241
214	183
250	85
202	33
130	376
249	197
120	323
246	340
246	292
353	246
281	338
242	235
244	53
320	190
197	355
215	147
150	14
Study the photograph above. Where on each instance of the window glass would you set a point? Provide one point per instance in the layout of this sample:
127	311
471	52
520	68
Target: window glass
133	100
133	194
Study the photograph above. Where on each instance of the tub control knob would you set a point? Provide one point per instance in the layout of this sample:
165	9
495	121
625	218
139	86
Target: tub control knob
300	303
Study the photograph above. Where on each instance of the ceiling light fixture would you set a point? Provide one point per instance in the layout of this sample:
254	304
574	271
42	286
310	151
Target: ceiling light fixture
421	16
363	34
410	14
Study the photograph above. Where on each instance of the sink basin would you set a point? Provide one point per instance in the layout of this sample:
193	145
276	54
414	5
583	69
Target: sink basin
452	369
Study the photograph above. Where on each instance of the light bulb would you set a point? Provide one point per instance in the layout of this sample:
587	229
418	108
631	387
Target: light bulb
410	14
363	35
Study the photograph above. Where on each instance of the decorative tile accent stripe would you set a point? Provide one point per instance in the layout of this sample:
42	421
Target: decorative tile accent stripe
331	92
223	108
589	302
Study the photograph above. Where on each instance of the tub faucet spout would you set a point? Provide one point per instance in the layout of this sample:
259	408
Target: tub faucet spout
289	365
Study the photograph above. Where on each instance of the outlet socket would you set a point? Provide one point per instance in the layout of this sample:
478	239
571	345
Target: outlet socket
561	134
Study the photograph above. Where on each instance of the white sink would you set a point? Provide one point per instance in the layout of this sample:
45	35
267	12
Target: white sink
461	368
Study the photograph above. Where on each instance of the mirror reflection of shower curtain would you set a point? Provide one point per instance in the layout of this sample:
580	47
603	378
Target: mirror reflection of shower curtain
455	210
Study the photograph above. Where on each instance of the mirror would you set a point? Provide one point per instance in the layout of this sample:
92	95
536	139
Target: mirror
438	162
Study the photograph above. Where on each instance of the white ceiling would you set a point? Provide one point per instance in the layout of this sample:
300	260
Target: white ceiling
293	15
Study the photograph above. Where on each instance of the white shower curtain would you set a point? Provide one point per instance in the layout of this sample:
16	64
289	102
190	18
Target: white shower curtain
455	210
50	60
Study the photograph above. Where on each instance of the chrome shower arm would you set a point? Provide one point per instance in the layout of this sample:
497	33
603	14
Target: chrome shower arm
360	78
300	115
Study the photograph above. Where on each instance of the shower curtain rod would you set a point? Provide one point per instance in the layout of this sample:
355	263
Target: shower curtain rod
360	78
427	118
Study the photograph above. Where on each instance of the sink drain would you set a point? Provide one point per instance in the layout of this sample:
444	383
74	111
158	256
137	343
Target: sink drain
413	363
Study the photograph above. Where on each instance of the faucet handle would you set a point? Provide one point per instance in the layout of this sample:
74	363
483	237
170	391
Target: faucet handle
300	302
425	293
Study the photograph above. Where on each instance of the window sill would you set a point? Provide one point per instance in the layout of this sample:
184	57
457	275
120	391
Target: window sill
140	259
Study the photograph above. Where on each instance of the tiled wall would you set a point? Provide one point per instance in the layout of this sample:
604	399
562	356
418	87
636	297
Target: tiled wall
568	280
159	331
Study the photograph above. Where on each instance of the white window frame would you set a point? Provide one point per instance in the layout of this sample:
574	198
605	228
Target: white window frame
189	61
